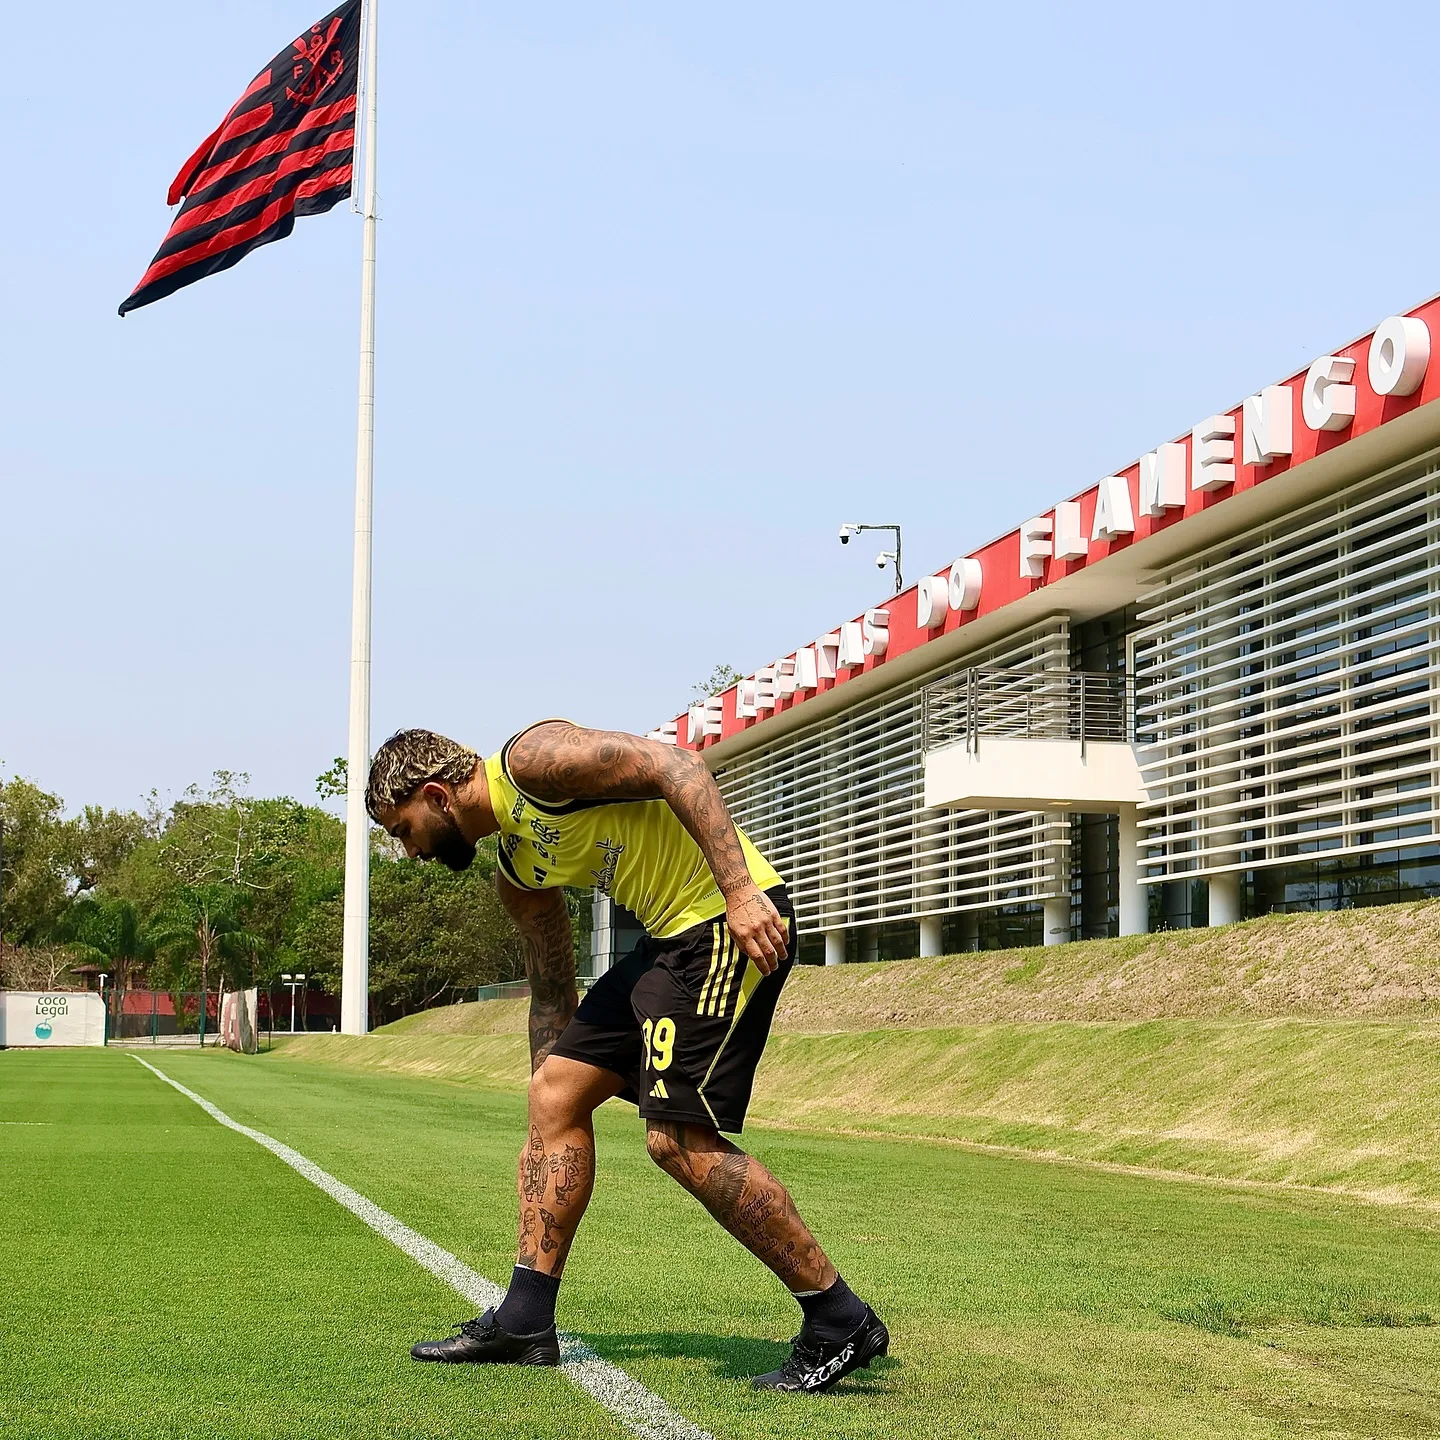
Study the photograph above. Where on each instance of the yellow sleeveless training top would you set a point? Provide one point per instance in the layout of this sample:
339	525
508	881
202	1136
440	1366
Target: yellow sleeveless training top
636	851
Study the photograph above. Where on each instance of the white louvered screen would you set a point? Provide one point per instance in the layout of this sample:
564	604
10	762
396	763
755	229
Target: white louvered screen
837	807
1285	687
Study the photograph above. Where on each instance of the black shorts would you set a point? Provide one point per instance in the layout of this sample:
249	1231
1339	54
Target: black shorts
683	1021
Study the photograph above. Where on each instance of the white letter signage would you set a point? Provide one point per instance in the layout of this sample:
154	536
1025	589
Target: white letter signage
1113	515
765	688
704	718
1399	356
1267	425
1070	543
1327	402
875	632
826	648
966	579
932	602
1212	454
1034	546
1162	480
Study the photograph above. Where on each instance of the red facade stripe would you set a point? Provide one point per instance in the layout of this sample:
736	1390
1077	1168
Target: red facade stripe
1000	559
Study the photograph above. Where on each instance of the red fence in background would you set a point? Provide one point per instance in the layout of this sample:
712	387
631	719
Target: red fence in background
150	1014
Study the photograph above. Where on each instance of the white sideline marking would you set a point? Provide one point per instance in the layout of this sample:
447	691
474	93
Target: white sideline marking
641	1411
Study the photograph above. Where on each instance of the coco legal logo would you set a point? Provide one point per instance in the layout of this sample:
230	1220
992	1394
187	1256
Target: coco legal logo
43	1030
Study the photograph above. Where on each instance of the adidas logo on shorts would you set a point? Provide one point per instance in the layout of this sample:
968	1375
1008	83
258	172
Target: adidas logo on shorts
658	1091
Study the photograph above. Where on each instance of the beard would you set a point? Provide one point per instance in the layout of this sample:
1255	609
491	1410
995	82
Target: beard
451	848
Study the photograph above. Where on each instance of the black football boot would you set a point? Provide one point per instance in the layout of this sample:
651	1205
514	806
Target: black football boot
816	1365
483	1342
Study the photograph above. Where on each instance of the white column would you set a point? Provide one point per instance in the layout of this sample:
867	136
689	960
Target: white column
1134	895
930	932
834	947
1057	920
1225	898
355	954
1057	911
602	933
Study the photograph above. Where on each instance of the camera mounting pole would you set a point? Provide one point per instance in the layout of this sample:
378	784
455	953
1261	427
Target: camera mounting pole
885	556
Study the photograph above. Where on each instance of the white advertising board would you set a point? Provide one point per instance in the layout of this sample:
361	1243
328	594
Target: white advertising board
41	1019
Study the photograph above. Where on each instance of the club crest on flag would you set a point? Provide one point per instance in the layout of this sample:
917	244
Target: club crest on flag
319	64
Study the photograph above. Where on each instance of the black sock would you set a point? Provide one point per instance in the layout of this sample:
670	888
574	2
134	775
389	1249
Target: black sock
831	1314
529	1303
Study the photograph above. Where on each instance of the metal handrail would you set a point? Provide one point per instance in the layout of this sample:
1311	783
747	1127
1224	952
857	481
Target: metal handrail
1026	704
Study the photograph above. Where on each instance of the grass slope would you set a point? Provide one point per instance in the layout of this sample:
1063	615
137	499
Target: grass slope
166	1277
1382	962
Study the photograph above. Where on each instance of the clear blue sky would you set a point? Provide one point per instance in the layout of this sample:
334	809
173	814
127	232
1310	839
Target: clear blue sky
666	294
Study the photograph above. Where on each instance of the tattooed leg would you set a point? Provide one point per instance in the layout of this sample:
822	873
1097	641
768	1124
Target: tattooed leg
745	1198
557	1161
549	955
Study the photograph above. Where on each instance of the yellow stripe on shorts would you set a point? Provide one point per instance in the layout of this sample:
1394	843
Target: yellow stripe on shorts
721	992
736	955
710	978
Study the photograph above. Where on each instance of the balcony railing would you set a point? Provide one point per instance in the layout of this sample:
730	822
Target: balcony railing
1026	704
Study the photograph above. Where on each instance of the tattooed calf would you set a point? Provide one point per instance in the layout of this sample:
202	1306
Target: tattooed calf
529	1253
572	1170
549	1241
534	1166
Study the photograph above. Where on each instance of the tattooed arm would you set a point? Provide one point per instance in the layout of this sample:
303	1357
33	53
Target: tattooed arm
549	948
557	761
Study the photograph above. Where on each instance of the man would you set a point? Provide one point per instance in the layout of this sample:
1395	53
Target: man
676	1028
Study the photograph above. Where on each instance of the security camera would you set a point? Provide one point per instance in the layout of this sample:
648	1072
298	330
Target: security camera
881	561
844	534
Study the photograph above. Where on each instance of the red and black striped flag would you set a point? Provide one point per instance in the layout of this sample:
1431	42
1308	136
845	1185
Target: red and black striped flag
286	148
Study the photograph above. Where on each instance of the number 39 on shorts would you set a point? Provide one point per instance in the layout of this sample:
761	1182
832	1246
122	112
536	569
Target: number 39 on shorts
659	1043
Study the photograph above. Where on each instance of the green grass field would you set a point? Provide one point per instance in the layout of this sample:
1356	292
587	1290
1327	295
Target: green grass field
165	1276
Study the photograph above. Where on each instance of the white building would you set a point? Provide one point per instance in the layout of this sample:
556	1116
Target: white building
1202	689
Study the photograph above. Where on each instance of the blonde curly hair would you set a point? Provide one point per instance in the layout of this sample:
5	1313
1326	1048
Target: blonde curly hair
410	759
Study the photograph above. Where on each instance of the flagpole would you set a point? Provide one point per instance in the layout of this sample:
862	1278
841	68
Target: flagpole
355	973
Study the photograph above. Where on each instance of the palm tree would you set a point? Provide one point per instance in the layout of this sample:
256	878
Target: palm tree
201	928
109	933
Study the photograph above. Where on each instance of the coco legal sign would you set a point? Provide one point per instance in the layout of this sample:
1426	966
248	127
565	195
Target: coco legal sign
37	1019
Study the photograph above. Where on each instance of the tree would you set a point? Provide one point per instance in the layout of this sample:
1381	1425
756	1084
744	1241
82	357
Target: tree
35	880
202	931
434	934
109	933
47	859
37	967
721	678
334	783
275	859
99	842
